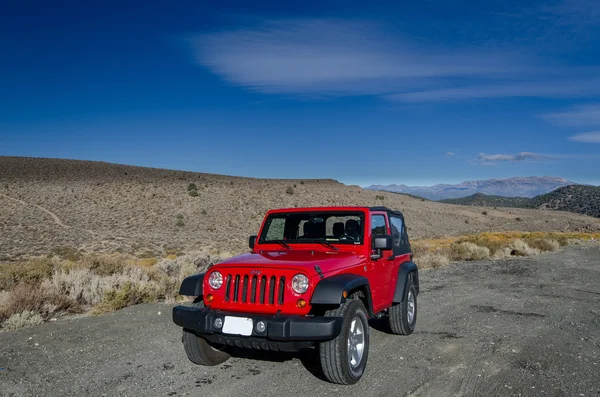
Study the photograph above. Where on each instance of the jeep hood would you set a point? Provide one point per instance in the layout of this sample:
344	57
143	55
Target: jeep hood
328	261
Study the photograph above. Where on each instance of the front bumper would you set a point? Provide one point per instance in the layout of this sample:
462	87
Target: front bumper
283	332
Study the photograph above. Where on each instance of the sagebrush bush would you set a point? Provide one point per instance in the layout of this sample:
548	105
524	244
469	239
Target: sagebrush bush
127	295
39	299
501	253
193	193
521	248
88	288
192	186
545	244
432	260
469	251
24	319
289	190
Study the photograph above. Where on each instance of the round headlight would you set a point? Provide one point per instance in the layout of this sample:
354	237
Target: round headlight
300	283
215	280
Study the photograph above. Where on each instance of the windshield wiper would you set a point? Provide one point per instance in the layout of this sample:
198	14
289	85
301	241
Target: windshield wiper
282	243
333	247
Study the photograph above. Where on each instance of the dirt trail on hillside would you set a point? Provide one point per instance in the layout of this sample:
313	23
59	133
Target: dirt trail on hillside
517	327
55	217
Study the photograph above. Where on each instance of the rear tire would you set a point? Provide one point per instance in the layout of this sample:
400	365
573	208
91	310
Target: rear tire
403	315
198	350
344	358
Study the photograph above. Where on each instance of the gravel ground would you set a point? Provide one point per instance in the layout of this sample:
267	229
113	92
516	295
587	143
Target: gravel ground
527	327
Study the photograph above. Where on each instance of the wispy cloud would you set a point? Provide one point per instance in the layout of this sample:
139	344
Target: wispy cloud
584	115
337	56
587	137
523	156
353	57
561	89
450	154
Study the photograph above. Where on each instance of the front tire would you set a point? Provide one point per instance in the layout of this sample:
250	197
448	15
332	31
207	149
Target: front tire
403	315
344	358
198	350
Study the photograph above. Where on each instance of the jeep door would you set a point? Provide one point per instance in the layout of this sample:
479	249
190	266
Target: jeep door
401	248
380	268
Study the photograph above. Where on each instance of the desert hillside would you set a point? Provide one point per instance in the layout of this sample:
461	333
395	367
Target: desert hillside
50	203
580	199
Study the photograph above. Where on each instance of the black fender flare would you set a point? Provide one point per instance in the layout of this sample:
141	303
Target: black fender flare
330	290
192	285
403	273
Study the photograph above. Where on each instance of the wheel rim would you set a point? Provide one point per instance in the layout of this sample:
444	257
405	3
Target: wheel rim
410	308
356	342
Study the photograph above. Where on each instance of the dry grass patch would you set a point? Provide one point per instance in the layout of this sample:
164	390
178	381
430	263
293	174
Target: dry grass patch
96	283
30	272
431	253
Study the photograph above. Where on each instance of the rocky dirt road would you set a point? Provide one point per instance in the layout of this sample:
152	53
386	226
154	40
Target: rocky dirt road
526	327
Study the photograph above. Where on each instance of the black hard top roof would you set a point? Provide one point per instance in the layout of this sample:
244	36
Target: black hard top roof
385	209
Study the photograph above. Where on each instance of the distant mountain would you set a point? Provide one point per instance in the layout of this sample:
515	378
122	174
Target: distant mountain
510	187
575	198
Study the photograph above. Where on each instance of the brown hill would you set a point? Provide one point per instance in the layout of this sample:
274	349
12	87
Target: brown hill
50	203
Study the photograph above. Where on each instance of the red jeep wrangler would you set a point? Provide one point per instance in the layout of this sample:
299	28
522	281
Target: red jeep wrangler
314	278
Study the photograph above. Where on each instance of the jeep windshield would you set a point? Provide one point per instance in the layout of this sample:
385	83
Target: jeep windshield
330	227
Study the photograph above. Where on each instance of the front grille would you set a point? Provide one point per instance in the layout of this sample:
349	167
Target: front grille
255	289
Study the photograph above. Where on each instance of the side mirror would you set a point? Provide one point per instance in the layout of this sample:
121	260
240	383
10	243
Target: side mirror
251	242
383	243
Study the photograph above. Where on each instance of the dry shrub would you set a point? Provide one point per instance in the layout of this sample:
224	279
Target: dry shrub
67	252
545	244
521	248
432	260
40	299
104	265
24	319
491	242
127	295
504	252
469	251
31	272
88	288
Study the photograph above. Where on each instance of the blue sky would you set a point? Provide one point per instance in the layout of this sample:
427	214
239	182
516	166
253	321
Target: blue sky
417	92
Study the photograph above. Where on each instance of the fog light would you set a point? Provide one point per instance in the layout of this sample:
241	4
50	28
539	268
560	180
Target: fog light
261	327
218	323
208	298
301	303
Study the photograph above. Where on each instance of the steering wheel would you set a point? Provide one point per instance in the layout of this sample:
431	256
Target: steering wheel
348	238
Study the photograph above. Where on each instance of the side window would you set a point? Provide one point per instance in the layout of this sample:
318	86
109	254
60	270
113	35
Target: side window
401	245
378	227
397	227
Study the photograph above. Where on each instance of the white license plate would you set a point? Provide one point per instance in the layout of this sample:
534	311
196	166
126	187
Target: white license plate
237	326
